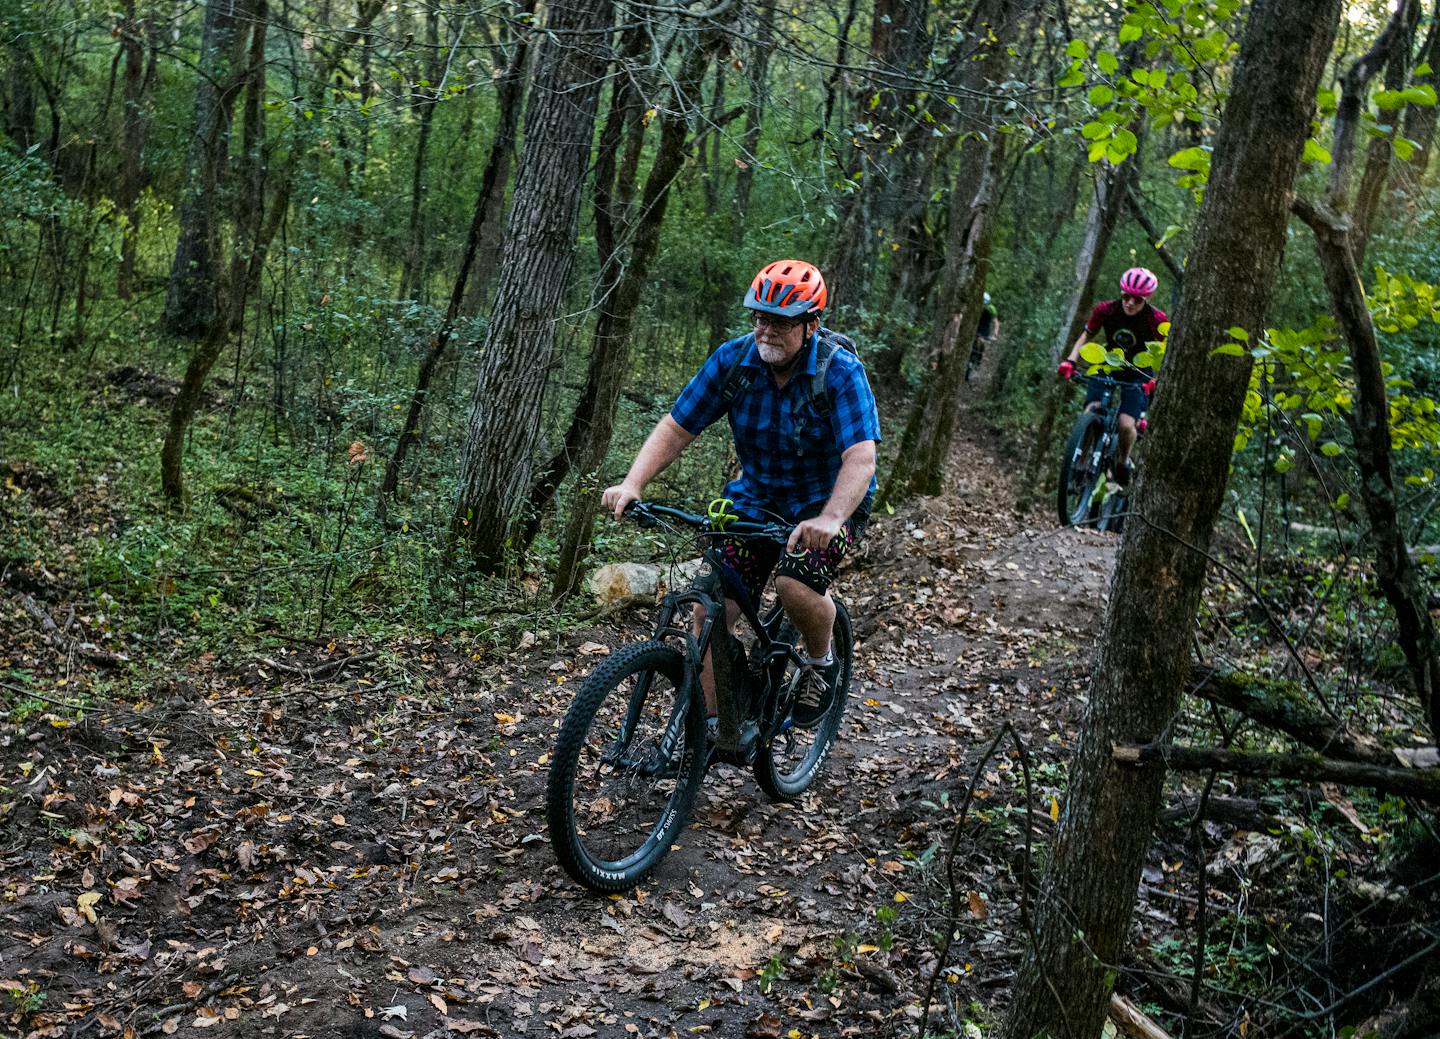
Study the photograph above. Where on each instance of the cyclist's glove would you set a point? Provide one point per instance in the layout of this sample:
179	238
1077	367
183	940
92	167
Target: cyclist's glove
1149	388
1067	369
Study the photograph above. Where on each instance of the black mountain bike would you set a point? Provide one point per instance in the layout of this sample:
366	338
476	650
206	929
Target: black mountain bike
632	749
1085	496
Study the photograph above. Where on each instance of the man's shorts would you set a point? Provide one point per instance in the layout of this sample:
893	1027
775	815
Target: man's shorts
753	559
1132	397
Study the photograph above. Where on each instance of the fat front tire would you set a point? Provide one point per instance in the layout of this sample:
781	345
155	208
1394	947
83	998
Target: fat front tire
1079	473
787	765
627	765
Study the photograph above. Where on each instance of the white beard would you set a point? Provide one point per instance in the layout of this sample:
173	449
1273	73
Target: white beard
770	353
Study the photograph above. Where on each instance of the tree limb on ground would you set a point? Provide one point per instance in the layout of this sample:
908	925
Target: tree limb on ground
1285	707
1131	1021
1420	783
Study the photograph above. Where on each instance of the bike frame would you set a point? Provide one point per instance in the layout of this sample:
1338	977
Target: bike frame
706	592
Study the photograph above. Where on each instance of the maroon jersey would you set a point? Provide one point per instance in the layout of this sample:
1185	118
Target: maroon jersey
1125	333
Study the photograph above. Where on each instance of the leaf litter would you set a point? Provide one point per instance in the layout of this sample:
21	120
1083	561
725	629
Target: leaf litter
346	838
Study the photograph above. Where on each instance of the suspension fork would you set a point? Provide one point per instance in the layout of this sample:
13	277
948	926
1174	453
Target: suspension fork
689	684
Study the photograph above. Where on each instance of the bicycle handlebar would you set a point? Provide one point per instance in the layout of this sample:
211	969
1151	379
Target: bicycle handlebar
649	514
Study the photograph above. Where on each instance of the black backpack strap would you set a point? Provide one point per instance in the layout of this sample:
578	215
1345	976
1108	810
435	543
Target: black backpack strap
737	379
830	342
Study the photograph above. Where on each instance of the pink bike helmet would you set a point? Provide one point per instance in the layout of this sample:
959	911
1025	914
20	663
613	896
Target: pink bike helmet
1138	281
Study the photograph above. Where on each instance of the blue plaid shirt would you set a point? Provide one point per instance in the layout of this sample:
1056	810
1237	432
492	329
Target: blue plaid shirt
780	472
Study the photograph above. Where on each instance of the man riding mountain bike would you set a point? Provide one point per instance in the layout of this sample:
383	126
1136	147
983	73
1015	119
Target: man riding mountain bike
1129	323
805	428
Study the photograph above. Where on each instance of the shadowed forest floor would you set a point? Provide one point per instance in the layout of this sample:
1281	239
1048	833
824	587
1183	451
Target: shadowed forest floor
334	838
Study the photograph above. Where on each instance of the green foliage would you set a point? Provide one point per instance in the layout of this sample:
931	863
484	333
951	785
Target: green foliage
773	971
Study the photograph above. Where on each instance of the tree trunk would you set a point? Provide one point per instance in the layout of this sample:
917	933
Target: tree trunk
1088	891
190	299
504	422
759	68
1379	151
897	40
1370	425
132	145
929	428
21	104
1420	119
487	204
1339	244
613	185
227	308
610	355
1111	184
412	272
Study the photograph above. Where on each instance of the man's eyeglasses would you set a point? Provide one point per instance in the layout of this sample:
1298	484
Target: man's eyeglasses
1130	297
777	323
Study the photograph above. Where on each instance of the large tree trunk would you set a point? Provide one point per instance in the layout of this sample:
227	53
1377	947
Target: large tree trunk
610	355
504	423
190	298
613	184
920	463
1088	891
488	201
227	308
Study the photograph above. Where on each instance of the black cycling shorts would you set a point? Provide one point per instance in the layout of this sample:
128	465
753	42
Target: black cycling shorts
753	559
1132	397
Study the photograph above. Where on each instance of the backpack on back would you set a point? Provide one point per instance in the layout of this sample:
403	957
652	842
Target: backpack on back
815	408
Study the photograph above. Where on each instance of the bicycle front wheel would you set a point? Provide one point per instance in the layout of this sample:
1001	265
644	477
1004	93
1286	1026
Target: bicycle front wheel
627	765
788	764
1080	470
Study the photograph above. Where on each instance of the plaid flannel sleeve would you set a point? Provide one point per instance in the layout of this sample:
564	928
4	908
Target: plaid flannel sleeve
700	403
853	413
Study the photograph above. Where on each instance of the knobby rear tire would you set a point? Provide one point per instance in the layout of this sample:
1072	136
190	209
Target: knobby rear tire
612	821
1112	512
1076	493
787	765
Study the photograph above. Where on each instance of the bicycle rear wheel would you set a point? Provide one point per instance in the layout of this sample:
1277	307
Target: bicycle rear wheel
787	765
1080	471
1112	512
628	762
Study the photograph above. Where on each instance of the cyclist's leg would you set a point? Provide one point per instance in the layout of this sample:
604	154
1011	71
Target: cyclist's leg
803	579
1095	397
1132	406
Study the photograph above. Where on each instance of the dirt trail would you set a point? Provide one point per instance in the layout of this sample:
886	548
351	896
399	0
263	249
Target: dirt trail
349	840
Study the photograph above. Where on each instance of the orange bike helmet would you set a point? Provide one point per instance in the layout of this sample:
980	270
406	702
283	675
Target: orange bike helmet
787	287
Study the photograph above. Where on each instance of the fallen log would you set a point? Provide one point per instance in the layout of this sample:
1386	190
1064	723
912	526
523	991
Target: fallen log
1285	707
1243	812
1421	783
1131	1021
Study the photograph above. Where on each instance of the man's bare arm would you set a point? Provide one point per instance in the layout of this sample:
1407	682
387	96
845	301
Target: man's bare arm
857	467
664	444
